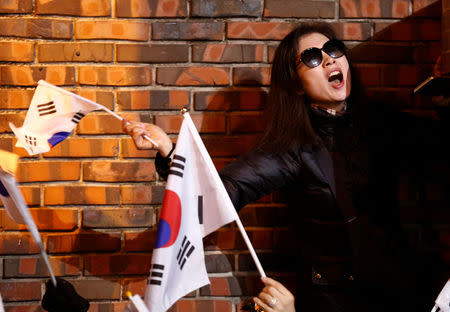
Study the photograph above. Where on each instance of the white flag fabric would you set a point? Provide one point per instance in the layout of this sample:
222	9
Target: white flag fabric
137	302
15	204
195	203
51	117
1	304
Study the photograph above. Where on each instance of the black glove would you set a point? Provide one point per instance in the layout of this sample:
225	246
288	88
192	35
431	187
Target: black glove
63	297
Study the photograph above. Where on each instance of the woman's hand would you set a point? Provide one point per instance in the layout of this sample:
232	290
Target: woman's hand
137	130
275	297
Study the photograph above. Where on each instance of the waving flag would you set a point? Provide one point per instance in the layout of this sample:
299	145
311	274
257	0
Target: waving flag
195	203
51	117
14	203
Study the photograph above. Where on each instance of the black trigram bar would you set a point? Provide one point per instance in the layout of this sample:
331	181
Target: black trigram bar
46	109
77	117
200	209
177	166
156	274
31	140
182	255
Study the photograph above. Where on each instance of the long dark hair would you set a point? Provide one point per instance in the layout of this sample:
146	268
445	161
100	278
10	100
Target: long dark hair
286	112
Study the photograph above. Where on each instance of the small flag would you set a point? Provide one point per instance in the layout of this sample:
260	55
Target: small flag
137	302
195	204
51	117
1	304
15	204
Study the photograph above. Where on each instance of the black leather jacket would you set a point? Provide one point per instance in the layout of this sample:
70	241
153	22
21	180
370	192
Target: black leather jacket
334	189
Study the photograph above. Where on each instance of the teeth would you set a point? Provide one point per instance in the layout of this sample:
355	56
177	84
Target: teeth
336	72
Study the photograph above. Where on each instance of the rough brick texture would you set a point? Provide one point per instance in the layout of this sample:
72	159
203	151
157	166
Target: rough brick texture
96	198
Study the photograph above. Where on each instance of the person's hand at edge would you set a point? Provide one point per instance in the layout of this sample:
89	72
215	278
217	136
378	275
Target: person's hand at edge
275	297
137	130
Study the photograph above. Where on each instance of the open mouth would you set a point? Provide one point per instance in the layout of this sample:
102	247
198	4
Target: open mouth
335	77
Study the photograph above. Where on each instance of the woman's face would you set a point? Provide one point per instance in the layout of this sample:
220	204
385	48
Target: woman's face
330	82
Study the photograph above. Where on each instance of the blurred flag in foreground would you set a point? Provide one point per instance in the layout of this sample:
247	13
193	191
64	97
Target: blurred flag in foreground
14	203
51	117
195	204
1	304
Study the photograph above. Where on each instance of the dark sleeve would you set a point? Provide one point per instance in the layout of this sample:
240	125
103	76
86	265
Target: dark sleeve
162	164
257	174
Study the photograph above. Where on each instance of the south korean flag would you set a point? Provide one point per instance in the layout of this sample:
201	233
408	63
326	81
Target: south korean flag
51	117
195	203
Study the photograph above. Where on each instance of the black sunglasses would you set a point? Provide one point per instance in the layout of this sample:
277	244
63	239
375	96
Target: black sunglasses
312	57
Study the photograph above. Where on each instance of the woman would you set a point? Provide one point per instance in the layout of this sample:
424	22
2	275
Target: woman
316	148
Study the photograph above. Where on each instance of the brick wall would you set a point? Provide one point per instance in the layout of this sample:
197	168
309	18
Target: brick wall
96	198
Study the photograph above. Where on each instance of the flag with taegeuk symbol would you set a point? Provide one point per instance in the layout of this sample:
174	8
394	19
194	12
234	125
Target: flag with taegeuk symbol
51	117
195	204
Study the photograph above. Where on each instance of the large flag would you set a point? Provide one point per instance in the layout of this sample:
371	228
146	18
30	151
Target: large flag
15	204
51	117
195	203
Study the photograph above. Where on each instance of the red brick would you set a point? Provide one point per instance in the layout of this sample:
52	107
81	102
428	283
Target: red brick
13	51
187	30
353	30
48	171
204	123
117	264
20	290
229	8
83	242
229	146
36	28
103	97
243	99
29	75
48	219
111	29
151	8
202	305
142	194
24	308
135	286
119	171
109	307
152	99
401	75
240	123
71	7
140	241
427	8
152	53
292	8
17	244
193	76
81	195
97	289
374	8
16	6
227	53
118	218
31	195
408	31
75	52
370	74
129	150
15	99
107	124
85	147
258	30
251	76
115	75
35	267
6	118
